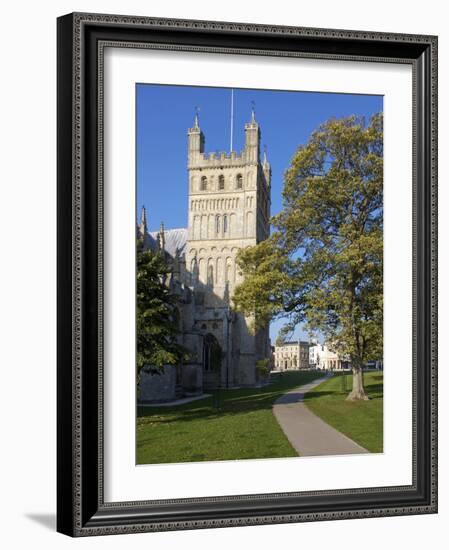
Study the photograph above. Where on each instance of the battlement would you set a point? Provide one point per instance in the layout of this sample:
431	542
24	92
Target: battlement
215	159
199	158
220	155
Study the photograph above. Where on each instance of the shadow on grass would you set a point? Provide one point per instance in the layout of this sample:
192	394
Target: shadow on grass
238	401
231	402
227	408
374	391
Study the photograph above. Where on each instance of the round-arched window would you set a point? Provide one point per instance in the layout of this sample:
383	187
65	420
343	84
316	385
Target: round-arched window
210	275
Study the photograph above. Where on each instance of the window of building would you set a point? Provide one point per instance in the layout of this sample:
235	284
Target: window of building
217	224
239	181
228	273
203	183
210	275
211	353
194	271
221	182
225	223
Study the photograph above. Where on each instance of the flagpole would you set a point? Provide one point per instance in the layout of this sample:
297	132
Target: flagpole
232	117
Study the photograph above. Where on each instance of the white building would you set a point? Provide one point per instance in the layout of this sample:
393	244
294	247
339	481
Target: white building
323	358
291	356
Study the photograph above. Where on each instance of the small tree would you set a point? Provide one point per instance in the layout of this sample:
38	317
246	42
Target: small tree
157	314
280	339
324	263
263	367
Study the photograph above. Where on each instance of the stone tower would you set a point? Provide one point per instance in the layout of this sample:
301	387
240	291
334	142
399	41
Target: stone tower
229	209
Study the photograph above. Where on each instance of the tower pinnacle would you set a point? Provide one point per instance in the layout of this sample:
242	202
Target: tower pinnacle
196	123
143	226
196	140
161	237
266	167
253	111
252	138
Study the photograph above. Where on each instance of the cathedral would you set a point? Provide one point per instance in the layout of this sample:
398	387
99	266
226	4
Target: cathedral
228	209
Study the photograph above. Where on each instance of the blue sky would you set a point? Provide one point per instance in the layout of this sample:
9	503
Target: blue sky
164	113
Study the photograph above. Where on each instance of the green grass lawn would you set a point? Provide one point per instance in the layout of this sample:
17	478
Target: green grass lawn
362	421
243	427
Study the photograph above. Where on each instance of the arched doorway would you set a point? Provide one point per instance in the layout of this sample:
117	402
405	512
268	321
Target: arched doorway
212	355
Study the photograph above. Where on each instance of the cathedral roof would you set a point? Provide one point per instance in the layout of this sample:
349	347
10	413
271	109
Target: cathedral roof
175	241
150	242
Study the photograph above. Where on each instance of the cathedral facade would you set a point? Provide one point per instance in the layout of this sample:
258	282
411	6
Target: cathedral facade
228	209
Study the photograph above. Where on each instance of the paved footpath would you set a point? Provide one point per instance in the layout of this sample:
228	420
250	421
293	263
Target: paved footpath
308	434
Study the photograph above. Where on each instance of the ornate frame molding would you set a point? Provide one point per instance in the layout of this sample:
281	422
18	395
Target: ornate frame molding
81	42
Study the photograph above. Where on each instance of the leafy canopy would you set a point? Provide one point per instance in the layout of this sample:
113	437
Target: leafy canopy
157	313
323	263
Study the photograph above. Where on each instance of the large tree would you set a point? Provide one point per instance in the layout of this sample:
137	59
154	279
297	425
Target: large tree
323	263
157	313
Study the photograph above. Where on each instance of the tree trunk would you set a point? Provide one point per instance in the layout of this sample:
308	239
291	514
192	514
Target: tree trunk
358	391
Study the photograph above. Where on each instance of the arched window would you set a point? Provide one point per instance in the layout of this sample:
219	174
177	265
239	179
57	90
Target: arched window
203	183
221	182
211	353
249	224
239	181
225	223
217	224
228	274
202	275
210	275
194	273
219	275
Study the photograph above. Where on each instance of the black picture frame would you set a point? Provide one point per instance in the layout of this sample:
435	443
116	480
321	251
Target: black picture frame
81	510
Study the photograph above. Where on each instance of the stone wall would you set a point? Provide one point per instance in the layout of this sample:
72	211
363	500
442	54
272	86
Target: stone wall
192	379
158	388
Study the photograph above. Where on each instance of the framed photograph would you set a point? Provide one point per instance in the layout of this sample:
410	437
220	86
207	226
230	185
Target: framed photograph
247	278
